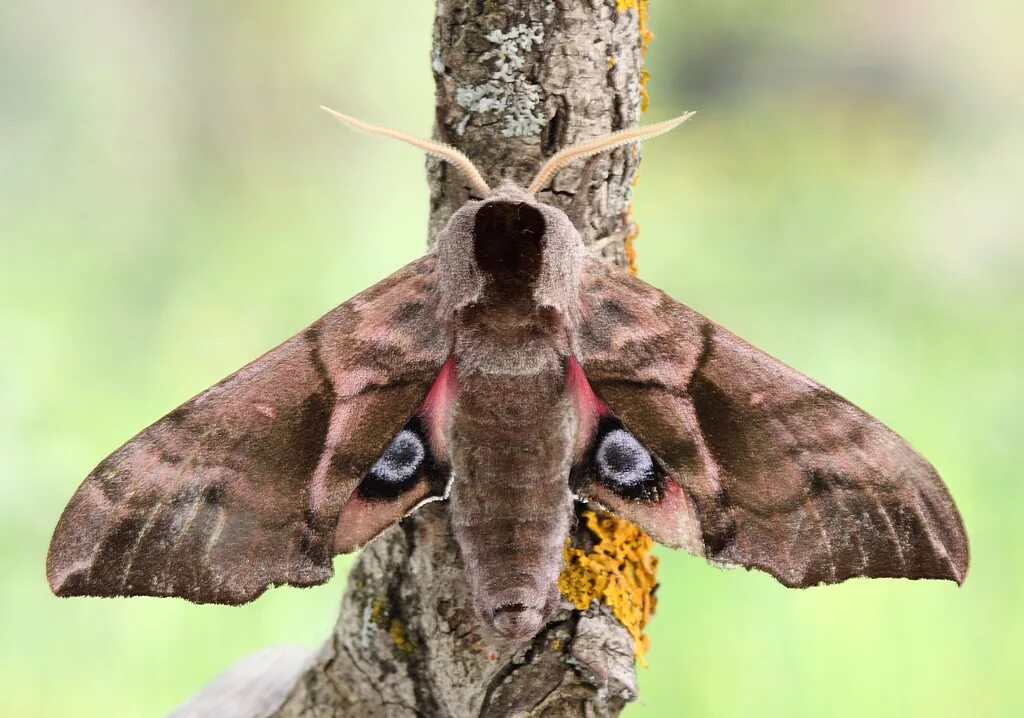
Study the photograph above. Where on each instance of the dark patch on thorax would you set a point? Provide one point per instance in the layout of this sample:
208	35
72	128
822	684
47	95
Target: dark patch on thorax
508	245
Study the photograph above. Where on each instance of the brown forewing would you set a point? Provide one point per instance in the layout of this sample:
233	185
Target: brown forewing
781	473
240	488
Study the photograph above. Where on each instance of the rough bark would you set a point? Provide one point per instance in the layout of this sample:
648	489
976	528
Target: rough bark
516	81
580	79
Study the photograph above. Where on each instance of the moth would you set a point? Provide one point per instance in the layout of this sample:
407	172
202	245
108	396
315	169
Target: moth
510	373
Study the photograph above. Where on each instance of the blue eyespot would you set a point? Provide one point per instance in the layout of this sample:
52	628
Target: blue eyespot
401	460
622	460
619	462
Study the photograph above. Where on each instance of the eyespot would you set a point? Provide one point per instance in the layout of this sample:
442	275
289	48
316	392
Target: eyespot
622	461
617	460
401	460
404	463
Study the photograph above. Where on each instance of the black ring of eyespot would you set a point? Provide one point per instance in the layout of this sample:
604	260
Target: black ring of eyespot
401	466
621	463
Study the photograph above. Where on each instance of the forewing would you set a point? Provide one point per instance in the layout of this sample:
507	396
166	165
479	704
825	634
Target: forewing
765	468
244	486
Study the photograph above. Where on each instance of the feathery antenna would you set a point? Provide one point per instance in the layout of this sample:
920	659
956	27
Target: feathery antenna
438	149
601	144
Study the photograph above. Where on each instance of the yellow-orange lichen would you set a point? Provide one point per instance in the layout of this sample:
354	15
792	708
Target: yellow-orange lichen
619	571
380	616
631	234
642	10
398	636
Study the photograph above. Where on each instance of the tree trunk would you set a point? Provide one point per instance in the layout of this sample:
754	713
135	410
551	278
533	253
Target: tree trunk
516	80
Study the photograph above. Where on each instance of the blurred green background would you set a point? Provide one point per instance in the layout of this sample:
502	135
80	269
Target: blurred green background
173	203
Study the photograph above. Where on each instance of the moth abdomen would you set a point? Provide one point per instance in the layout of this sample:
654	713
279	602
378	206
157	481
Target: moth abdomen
511	505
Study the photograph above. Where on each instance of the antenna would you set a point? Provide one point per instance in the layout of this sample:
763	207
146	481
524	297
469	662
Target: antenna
601	144
438	149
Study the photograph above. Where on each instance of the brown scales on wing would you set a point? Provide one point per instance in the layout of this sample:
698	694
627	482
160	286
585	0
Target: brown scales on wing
557	368
240	488
783	474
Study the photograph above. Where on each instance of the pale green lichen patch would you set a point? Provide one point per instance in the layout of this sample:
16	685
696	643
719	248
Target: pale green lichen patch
507	91
618	571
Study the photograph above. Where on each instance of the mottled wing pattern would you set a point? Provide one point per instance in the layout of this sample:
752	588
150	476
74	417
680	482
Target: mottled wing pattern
769	469
242	487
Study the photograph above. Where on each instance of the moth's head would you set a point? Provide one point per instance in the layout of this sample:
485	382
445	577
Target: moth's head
508	244
508	238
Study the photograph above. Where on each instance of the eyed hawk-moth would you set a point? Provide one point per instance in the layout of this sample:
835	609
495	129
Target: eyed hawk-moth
510	373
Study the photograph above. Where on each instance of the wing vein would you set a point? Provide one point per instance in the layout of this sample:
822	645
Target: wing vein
214	536
854	536
151	517
889	525
816	515
937	543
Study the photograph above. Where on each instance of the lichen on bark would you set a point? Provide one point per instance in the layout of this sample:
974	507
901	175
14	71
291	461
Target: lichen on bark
616	569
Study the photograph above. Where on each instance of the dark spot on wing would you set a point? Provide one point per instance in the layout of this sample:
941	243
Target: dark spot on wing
818	482
719	527
721	426
116	549
213	495
312	336
291	452
613	310
178	415
410	312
